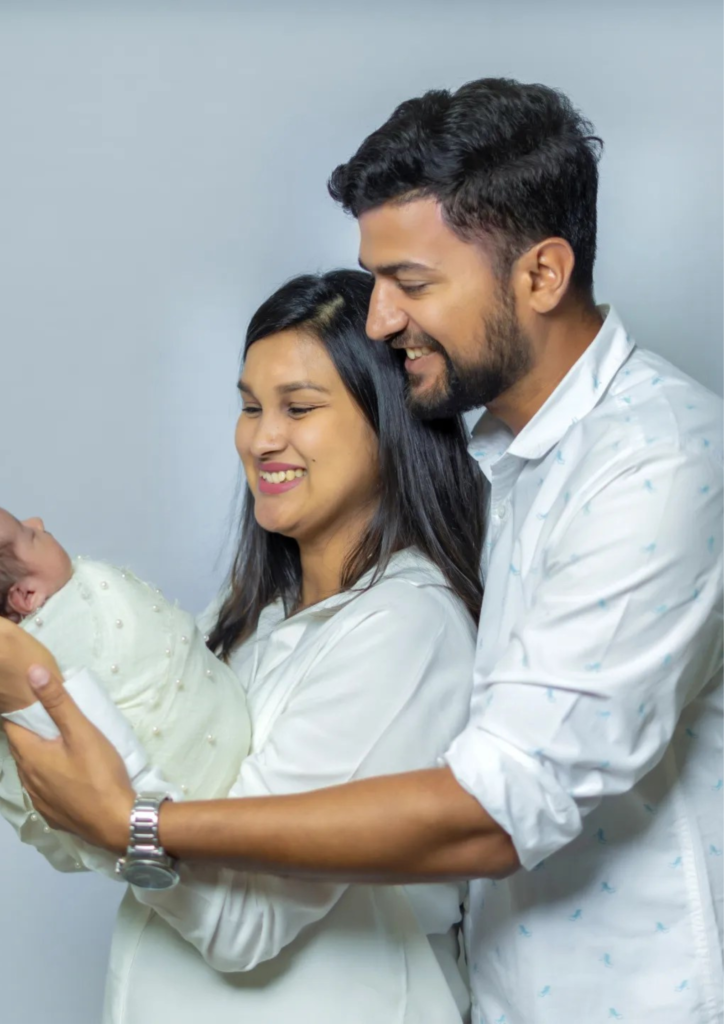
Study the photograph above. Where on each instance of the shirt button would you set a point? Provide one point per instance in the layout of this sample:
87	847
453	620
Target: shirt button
500	511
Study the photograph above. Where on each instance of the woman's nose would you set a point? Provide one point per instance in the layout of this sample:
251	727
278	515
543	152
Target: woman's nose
384	316
268	437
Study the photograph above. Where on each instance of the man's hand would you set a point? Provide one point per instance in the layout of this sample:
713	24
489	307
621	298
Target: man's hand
78	782
18	651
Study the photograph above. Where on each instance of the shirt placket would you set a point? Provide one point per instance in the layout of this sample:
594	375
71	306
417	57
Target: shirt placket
503	477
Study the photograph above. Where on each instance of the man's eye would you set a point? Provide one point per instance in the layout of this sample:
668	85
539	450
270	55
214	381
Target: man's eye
411	289
251	410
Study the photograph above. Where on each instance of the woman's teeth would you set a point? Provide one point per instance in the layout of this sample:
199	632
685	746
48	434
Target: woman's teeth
417	353
279	478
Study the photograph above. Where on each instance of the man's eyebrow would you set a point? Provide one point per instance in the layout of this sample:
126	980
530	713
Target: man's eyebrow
285	389
390	269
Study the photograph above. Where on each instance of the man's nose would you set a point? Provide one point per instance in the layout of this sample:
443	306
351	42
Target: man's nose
385	318
34	523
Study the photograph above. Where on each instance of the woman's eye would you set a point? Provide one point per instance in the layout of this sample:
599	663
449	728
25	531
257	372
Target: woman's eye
300	410
251	410
411	289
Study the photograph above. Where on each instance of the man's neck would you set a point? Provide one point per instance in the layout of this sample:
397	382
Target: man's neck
558	351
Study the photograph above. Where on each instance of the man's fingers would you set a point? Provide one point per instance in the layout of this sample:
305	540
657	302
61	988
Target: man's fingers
55	699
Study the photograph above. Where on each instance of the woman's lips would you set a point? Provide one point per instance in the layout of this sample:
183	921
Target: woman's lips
267	487
281	471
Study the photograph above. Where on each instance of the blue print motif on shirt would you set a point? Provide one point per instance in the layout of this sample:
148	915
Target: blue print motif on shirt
605	887
576	915
606	960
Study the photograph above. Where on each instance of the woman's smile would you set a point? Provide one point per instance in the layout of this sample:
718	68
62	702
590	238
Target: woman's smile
279	477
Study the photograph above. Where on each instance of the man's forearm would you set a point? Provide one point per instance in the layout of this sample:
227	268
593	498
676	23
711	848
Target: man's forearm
416	827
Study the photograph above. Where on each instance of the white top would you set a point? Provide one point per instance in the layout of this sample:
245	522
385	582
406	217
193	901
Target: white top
595	736
358	685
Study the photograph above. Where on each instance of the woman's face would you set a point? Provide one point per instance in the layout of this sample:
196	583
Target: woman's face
309	454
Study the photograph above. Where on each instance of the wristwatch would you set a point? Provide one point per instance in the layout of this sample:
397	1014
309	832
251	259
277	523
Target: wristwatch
146	863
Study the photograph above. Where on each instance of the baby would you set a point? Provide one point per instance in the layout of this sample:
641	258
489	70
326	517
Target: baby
186	706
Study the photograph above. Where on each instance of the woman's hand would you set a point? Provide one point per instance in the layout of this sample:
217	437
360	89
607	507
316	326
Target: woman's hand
78	782
18	651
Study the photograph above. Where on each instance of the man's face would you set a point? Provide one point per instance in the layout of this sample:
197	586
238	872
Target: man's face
439	298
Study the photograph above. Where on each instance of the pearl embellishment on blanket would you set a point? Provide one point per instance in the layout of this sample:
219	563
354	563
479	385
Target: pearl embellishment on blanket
33	817
206	638
168	652
209	673
156	608
119	624
184	789
46	829
211	740
114	669
184	639
179	684
104	585
38	622
156	731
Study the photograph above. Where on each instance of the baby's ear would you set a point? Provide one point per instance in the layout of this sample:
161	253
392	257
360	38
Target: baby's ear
22	599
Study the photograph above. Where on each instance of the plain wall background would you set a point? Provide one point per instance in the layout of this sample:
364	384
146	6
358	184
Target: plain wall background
162	169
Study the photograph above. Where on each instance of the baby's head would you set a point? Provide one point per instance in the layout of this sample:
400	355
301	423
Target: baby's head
33	566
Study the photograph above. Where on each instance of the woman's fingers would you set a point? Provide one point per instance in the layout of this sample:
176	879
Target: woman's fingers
56	700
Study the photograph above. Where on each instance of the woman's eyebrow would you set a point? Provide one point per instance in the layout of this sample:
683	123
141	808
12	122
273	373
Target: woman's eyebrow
285	389
301	385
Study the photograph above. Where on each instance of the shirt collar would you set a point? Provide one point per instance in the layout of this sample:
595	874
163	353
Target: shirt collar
409	563
578	393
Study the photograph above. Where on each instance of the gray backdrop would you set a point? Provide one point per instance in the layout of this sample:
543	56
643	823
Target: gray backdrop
162	169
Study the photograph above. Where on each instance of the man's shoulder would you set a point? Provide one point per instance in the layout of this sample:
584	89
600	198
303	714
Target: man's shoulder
652	404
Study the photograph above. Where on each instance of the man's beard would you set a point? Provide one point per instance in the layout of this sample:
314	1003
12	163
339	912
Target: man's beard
463	387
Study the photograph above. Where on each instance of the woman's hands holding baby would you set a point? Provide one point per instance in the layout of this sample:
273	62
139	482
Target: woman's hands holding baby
18	651
78	782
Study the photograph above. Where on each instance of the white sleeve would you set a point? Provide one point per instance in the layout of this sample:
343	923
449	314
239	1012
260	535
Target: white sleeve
62	850
623	630
387	696
18	811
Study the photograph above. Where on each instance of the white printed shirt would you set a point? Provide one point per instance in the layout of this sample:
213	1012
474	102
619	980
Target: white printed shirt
595	737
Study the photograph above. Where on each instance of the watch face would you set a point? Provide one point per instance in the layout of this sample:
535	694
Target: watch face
148	875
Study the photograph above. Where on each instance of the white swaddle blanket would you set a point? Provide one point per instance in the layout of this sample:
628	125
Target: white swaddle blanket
187	707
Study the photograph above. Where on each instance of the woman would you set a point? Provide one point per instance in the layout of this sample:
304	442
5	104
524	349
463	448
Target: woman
350	620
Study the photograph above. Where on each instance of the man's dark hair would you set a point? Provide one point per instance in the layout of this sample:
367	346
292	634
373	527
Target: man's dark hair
508	162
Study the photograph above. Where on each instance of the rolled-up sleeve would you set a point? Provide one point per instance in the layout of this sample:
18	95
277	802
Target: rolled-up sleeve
622	629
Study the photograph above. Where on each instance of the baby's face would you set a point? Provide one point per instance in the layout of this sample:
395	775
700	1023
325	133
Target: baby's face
45	566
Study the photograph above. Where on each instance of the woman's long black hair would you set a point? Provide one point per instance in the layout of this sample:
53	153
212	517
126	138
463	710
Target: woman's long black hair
430	491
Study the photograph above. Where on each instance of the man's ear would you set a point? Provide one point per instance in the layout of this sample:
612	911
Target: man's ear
22	599
546	270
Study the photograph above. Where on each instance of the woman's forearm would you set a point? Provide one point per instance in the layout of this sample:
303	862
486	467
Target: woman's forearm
414	827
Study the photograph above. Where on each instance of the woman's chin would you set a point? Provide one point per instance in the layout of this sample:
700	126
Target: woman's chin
276	524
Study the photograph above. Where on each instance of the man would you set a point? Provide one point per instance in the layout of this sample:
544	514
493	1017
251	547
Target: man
584	797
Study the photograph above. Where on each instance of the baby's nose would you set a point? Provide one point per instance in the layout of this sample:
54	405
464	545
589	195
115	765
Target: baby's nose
35	523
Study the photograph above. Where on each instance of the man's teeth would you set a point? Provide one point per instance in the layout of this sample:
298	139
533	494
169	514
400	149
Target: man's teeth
416	353
282	476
